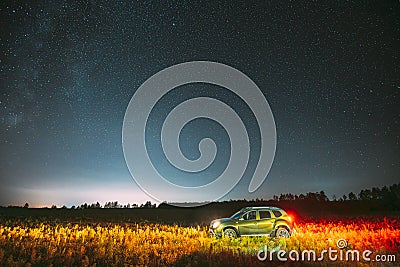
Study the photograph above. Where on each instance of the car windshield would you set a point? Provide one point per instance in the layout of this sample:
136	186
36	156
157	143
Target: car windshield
238	214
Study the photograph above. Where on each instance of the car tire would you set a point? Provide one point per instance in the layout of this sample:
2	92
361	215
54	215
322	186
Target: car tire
229	232
282	232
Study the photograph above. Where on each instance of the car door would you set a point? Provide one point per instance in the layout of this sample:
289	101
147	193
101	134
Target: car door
265	222
247	224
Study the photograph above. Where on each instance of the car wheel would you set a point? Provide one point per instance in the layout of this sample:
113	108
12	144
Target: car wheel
282	232
230	233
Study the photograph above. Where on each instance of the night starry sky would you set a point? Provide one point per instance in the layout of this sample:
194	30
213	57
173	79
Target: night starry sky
329	70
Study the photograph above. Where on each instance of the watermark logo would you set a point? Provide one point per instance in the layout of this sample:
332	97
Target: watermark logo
341	243
152	90
330	254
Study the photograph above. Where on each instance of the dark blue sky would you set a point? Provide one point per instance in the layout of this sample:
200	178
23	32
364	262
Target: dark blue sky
329	70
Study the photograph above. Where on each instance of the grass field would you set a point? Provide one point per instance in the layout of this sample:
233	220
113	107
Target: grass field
46	243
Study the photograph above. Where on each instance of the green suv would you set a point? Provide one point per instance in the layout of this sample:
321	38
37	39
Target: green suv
254	221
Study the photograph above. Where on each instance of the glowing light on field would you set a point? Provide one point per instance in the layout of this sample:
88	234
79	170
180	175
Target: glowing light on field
157	244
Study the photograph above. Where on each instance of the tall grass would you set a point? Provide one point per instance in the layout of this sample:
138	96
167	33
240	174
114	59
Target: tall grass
45	244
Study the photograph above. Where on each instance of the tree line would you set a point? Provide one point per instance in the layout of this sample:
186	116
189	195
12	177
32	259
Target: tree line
391	193
386	195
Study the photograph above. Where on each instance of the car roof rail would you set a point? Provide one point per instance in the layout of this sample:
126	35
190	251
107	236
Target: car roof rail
264	207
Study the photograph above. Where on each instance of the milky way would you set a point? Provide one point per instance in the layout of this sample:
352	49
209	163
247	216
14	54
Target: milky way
330	72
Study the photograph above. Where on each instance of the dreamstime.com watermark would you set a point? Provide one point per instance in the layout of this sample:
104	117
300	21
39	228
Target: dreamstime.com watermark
152	90
331	254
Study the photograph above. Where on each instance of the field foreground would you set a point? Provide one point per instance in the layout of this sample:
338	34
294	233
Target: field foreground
31	243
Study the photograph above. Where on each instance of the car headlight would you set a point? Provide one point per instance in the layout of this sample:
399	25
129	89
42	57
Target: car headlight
215	224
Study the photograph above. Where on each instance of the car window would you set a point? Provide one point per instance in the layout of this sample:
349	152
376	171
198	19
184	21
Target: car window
265	214
250	216
277	213
238	214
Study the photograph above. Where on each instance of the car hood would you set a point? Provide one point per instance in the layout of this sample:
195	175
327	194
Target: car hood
223	220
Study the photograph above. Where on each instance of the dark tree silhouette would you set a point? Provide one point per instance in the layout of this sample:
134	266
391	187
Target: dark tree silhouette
352	196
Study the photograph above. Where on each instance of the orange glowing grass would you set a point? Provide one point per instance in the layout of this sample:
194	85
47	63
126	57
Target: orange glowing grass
160	245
